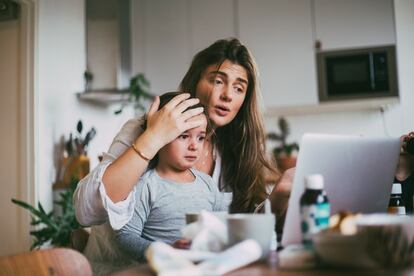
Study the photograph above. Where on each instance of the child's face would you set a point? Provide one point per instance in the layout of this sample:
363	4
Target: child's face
185	150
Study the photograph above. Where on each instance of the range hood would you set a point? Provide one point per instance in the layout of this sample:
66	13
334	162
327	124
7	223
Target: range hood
108	47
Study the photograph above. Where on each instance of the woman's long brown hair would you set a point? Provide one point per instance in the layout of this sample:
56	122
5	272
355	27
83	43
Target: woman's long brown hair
241	143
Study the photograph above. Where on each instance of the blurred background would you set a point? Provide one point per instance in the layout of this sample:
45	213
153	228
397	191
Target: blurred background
63	61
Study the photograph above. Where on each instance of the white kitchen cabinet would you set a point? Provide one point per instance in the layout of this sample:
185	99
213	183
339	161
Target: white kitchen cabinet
343	24
209	21
167	34
279	33
160	42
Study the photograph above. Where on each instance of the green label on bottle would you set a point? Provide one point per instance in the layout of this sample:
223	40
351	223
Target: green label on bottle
314	219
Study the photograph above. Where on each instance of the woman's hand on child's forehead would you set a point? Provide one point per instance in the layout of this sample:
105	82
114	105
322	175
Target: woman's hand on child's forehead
201	118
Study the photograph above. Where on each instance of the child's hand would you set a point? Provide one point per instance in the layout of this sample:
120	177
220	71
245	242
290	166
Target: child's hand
182	244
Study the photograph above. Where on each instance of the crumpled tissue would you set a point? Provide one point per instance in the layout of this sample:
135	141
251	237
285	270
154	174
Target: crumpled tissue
209	239
168	261
208	233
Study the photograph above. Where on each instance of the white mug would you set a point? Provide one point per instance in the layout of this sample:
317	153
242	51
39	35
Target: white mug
193	217
259	227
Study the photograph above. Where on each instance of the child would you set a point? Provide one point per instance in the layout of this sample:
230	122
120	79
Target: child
169	190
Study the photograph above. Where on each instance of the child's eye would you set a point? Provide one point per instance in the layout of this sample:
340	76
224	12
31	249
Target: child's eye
201	138
183	136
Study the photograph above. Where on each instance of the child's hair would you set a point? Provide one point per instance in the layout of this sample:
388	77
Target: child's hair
164	99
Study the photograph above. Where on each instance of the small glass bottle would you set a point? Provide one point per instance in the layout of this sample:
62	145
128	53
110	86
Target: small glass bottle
314	208
396	204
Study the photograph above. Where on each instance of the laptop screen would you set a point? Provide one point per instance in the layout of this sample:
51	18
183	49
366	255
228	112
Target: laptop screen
358	173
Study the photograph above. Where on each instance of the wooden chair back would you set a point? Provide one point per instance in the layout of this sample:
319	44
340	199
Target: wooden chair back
56	261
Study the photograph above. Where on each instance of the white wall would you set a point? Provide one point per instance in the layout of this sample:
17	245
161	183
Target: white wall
61	63
404	17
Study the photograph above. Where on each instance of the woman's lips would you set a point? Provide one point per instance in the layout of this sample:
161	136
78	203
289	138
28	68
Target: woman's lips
221	110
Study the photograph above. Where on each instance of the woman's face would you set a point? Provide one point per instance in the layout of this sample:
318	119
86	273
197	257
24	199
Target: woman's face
223	90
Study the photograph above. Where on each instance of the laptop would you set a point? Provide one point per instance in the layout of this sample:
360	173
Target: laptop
358	174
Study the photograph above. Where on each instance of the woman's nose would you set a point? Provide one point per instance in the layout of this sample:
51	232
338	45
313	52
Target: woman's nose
226	94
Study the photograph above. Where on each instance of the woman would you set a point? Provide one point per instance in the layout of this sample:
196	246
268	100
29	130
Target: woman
223	77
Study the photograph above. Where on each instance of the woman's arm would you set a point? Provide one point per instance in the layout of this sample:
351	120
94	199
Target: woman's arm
91	203
107	189
279	198
163	126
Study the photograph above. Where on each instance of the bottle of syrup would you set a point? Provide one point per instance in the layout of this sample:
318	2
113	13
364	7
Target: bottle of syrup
314	208
396	204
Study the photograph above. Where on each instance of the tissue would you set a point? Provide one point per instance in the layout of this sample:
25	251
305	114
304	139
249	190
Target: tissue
167	261
209	233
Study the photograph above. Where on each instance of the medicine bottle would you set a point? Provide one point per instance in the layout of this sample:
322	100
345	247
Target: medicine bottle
314	208
396	204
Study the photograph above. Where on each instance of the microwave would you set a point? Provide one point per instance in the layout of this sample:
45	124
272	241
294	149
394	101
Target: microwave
357	74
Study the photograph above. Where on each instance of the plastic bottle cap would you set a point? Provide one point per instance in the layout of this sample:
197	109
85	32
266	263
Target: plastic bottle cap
314	182
396	188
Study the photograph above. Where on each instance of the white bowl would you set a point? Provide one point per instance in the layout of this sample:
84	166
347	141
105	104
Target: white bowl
382	240
335	249
389	238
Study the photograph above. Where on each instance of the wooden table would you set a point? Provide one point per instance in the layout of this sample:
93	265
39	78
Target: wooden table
269	267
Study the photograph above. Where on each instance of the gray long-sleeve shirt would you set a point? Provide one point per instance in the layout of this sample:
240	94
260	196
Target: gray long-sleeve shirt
160	210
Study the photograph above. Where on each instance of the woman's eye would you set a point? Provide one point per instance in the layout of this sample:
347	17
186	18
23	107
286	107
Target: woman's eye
217	81
240	89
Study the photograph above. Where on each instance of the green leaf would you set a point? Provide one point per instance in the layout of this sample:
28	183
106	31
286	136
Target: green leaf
139	92
49	228
26	206
274	136
79	127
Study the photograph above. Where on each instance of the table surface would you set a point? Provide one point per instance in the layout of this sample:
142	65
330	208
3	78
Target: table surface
269	267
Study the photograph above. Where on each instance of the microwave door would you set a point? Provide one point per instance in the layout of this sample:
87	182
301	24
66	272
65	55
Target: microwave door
349	75
357	74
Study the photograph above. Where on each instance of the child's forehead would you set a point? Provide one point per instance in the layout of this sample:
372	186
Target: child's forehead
198	118
197	130
200	128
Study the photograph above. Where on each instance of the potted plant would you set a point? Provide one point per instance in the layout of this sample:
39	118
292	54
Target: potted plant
56	227
74	162
51	228
138	92
285	153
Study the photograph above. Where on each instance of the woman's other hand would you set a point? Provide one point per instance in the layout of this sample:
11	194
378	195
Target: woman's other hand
404	139
170	121
280	197
284	186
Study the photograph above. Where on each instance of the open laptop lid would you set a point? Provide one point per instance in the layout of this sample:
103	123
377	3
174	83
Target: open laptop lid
358	173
